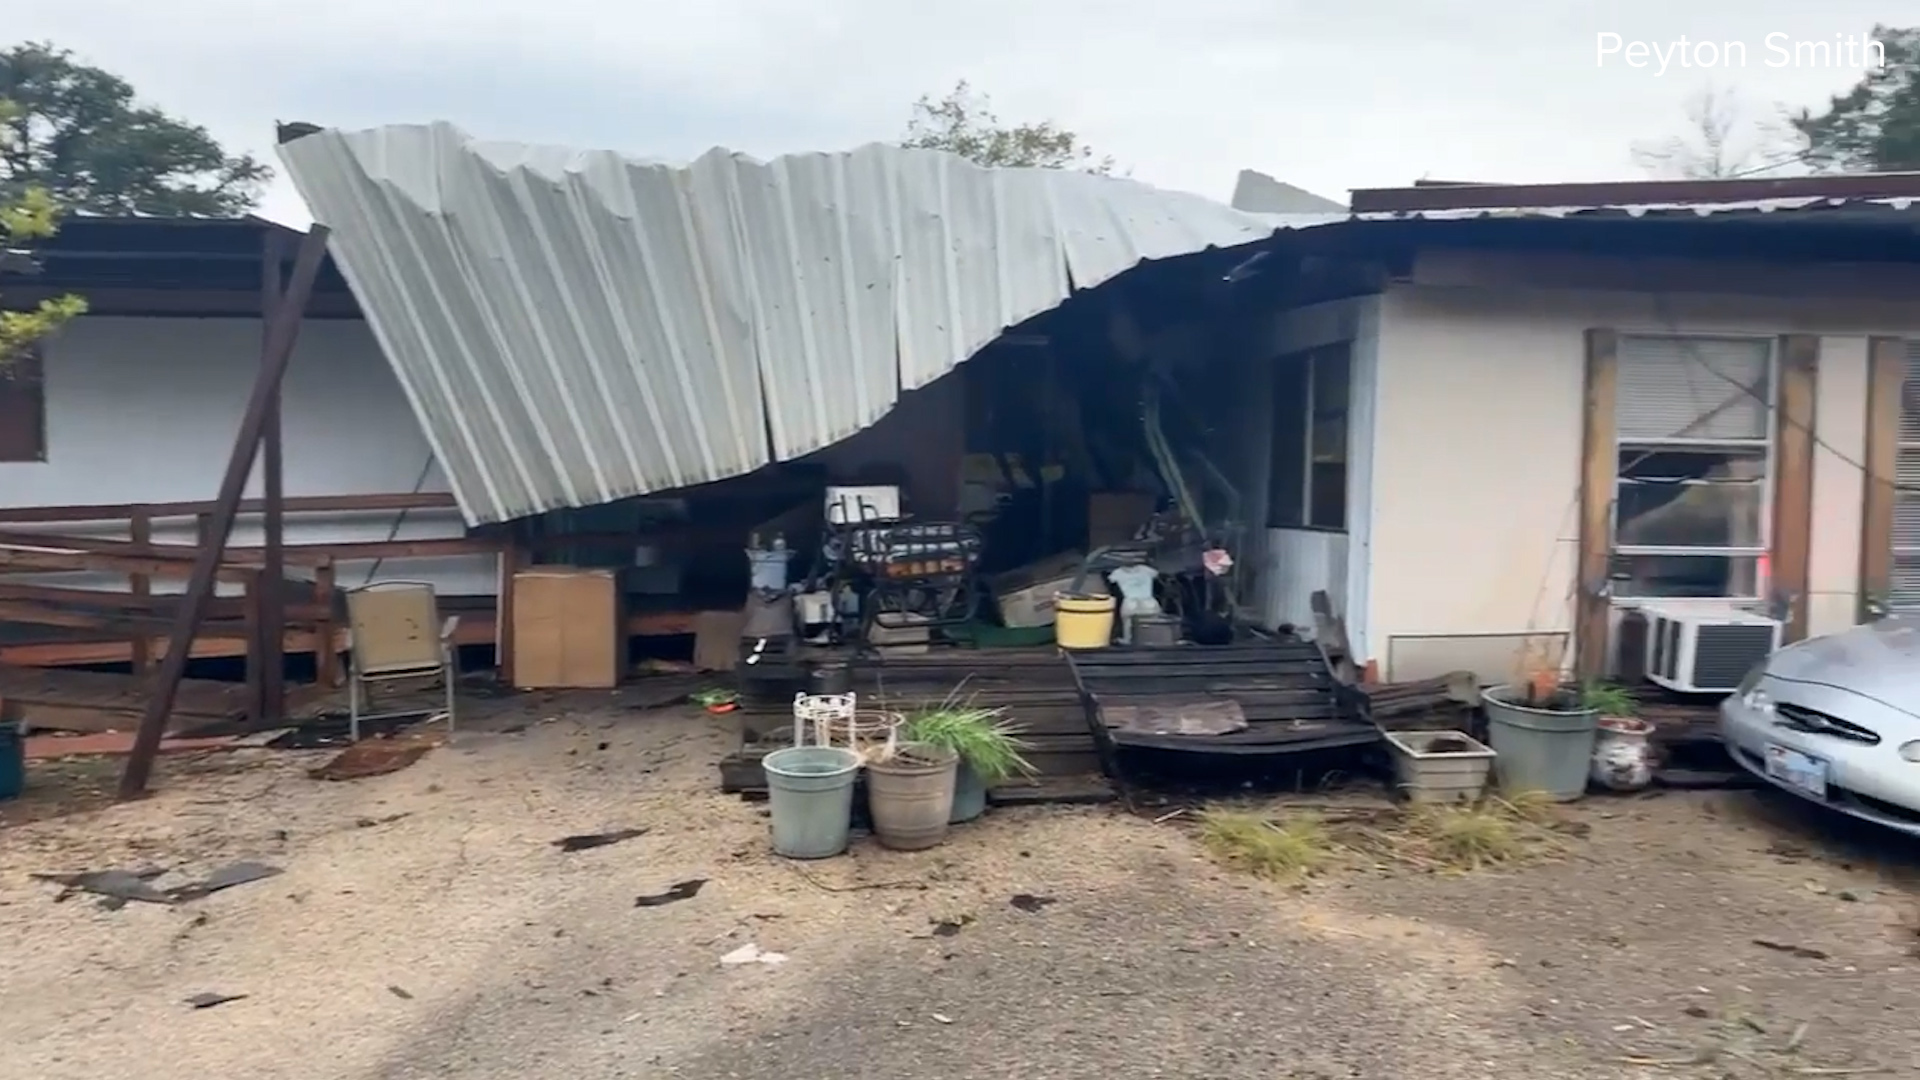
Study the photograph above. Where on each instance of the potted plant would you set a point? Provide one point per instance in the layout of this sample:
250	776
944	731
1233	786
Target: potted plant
910	793
1542	730
716	700
986	743
1622	751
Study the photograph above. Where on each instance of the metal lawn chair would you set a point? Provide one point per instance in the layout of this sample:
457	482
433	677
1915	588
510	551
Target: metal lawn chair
394	631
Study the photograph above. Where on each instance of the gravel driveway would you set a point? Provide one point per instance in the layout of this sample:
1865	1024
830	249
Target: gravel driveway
425	925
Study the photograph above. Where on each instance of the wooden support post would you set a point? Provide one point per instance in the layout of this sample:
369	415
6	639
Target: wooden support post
326	661
511	560
256	640
272	582
140	531
281	336
1599	465
1886	378
1792	547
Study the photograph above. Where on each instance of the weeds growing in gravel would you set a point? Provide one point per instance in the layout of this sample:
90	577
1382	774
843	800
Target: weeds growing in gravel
1459	838
1281	850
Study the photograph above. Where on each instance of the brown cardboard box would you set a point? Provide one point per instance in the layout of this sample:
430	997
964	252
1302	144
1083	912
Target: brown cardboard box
1026	595
567	631
1114	516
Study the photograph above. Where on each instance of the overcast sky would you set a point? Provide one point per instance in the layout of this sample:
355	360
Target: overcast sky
1330	96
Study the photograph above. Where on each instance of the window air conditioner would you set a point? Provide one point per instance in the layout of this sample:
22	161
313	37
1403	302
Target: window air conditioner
1705	649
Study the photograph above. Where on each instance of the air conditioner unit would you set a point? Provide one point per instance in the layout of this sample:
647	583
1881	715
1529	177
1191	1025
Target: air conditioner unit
1705	650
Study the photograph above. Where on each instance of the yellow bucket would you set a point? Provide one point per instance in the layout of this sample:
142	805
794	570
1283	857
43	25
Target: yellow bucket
1083	622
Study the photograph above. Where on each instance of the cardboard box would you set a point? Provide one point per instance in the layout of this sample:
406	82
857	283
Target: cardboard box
1026	596
1114	516
567	629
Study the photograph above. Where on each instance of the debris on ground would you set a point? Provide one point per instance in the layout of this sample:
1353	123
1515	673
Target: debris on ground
1800	951
948	925
683	890
372	757
752	954
1030	903
119	887
1739	1046
207	999
399	992
589	841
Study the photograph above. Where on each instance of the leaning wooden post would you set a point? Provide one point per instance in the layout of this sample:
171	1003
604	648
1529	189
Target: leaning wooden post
272	610
281	336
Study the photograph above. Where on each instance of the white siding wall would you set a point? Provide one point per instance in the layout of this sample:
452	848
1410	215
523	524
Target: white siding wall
145	410
1476	468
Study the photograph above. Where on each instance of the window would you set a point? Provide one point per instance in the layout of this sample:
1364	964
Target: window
1308	486
1904	587
23	409
1693	417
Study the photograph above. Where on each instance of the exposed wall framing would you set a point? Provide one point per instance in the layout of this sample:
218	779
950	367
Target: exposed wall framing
1886	377
1792	550
1598	465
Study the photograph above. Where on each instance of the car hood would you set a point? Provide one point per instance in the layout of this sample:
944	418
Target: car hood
1880	660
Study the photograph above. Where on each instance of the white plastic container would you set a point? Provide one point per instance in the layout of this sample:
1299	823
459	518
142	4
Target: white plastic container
1439	766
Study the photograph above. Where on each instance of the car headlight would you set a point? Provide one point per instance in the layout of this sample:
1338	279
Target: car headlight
1910	751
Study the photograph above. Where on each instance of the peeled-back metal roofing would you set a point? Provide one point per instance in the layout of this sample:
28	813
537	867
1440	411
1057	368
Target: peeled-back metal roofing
574	328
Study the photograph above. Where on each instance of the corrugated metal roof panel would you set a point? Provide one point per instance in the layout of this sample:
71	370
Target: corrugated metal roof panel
576	328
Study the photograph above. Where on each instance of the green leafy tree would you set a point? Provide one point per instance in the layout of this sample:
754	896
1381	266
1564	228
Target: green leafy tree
1874	127
78	133
963	123
25	217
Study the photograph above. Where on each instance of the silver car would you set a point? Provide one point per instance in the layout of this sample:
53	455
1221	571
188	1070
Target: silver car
1836	720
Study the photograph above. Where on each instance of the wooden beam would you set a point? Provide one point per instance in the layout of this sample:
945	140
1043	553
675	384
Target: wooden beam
299	504
55	560
1792	548
1599	463
281	337
1886	378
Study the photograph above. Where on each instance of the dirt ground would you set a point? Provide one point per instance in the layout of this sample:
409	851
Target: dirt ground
426	925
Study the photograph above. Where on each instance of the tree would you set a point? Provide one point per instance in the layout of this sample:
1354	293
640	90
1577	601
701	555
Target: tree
78	133
1722	141
1874	127
24	218
963	123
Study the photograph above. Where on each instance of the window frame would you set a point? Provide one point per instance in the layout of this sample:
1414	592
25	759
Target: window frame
1299	505
1767	443
1898	552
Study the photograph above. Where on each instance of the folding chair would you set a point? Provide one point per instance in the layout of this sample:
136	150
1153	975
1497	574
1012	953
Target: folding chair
394	631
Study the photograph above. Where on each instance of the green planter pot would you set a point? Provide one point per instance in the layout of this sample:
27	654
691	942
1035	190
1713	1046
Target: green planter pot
969	795
810	799
13	761
1544	750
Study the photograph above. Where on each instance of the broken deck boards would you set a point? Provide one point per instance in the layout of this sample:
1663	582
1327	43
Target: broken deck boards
1283	690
